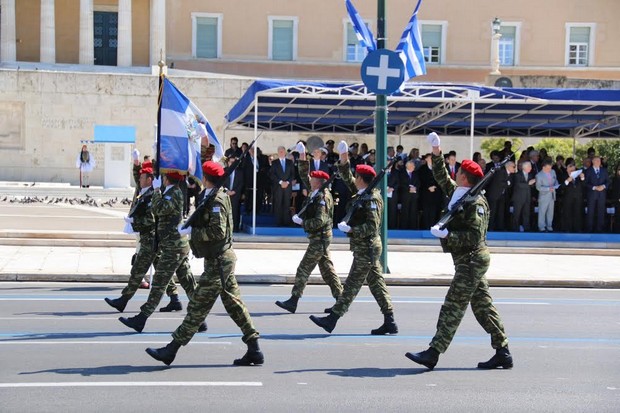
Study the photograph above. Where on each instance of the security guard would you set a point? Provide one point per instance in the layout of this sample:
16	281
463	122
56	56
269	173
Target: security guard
465	239
363	231
317	223
211	238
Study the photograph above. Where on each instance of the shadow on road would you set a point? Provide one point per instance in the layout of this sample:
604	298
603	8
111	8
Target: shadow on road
374	372
119	370
68	336
88	289
73	313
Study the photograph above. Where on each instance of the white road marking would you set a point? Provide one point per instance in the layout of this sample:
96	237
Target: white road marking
136	384
20	342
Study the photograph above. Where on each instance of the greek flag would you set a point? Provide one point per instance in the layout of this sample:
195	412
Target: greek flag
364	35
410	48
181	131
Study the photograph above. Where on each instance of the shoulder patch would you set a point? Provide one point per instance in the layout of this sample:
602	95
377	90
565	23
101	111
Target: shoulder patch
480	210
322	202
373	205
216	209
168	197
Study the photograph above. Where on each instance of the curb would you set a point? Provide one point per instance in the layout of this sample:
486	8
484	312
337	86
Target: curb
440	281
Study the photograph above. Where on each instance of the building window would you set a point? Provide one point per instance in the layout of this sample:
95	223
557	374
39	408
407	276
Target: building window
207	35
354	52
579	44
283	38
432	38
507	45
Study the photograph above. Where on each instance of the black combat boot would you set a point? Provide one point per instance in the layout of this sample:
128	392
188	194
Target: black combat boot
137	322
119	303
388	326
328	310
502	358
289	305
173	305
202	327
252	357
327	323
165	354
427	358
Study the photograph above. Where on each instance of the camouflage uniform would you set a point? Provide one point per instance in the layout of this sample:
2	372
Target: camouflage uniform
365	244
318	225
144	224
466	242
212	239
168	207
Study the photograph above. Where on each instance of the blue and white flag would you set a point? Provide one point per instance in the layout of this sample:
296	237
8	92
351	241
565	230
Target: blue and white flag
410	48
181	131
364	35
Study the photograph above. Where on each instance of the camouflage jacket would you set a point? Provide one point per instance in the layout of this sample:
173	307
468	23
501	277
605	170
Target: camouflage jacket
468	228
168	209
318	219
143	218
212	231
366	221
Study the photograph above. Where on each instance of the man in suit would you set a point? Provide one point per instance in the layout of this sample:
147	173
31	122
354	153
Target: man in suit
452	165
522	196
393	198
496	196
234	151
235	190
546	183
282	174
597	182
431	196
409	186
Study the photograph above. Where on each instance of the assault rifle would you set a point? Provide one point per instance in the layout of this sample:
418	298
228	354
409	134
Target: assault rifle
470	196
141	202
220	183
325	185
364	196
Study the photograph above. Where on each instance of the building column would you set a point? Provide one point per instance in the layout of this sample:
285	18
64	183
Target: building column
48	32
8	51
87	47
124	57
158	31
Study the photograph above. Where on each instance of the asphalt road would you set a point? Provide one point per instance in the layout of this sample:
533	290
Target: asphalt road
62	349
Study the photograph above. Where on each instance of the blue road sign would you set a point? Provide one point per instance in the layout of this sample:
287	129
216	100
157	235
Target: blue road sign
383	71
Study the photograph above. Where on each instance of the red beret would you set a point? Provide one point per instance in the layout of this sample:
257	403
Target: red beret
175	175
472	167
212	169
365	170
319	174
147	168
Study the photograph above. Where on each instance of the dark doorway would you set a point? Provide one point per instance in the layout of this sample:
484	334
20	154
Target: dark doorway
106	37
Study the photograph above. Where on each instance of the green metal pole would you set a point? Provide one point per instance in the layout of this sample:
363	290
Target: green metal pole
381	136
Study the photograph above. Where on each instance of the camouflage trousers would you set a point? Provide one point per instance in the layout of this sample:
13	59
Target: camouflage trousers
366	267
170	261
317	252
145	256
469	285
218	279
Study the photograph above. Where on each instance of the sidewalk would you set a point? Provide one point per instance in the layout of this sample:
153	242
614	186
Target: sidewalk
273	266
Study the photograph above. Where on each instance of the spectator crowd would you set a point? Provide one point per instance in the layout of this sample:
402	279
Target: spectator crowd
531	192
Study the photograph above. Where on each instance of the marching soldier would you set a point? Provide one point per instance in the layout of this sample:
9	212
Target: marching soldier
211	238
168	208
465	239
142	221
363	231
317	223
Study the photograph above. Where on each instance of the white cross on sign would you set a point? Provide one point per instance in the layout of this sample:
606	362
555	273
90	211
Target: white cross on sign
382	72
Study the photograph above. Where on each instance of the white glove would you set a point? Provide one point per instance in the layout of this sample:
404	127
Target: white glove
186	231
128	229
297	220
433	139
128	220
344	227
439	233
135	154
343	147
157	183
300	148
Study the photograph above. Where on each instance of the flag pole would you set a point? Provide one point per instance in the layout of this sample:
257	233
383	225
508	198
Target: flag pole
161	65
381	137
